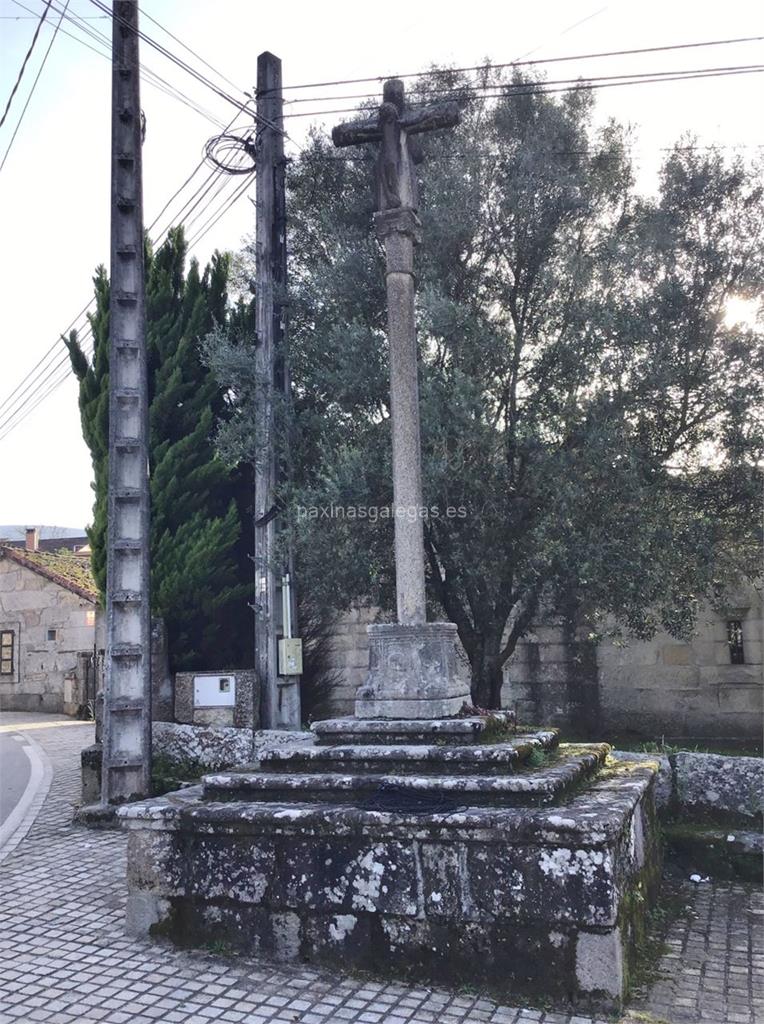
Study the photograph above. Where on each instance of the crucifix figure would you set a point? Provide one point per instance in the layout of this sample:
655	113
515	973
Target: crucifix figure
398	226
414	668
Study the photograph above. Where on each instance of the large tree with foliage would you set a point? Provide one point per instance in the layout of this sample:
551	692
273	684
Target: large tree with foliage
199	565
582	397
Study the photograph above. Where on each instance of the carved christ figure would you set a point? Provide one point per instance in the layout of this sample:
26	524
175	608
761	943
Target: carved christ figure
394	128
396	179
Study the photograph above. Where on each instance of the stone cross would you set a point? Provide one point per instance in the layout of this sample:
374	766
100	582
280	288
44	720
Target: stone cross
398	226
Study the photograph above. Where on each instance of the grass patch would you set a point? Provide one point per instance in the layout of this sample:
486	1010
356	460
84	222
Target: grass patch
668	745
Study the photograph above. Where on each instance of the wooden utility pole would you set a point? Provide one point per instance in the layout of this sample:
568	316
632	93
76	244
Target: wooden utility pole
127	696
280	697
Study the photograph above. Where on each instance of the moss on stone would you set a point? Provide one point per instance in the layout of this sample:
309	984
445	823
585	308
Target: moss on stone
169	774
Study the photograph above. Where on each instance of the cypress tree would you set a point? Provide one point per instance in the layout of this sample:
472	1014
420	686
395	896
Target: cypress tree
200	569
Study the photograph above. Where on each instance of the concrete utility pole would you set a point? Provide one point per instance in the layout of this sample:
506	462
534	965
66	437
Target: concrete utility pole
280	700
127	696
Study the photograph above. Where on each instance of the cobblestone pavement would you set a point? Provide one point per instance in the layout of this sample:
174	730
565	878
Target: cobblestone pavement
713	967
65	960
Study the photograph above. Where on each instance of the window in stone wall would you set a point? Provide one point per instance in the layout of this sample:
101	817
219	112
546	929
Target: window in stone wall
52	634
735	641
6	652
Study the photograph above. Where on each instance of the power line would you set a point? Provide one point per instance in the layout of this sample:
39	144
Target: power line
11	416
33	400
33	17
178	61
42	359
539	90
179	214
471	89
526	63
223	210
40	399
200	77
220	75
17	83
34	86
150	76
11	411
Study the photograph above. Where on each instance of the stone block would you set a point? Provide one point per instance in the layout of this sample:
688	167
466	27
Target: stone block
555	885
143	912
677	654
599	963
521	900
91	759
347	877
210	747
714	786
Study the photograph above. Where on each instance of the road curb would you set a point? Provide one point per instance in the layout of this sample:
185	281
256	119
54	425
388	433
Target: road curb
25	813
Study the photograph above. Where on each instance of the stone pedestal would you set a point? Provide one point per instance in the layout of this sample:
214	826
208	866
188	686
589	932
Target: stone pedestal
520	866
415	672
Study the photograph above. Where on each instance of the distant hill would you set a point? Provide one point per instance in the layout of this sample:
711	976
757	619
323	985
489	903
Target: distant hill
17	532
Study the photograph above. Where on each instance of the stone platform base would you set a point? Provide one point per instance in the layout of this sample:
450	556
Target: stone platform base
483	868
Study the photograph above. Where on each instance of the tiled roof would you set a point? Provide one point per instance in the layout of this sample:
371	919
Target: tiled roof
62	567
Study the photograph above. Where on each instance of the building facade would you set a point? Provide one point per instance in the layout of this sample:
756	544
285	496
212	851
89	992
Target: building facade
48	609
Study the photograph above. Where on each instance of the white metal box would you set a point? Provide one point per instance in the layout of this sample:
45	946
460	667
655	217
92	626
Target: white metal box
214	691
290	657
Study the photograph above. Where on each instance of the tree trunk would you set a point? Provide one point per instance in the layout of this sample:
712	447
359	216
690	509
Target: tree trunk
487	674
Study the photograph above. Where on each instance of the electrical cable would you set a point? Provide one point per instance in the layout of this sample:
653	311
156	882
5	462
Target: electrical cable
24	63
223	210
526	63
198	56
41	398
151	77
11	416
34	86
539	90
178	61
472	89
78	319
200	77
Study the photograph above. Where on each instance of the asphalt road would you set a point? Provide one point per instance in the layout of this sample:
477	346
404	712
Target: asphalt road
15	771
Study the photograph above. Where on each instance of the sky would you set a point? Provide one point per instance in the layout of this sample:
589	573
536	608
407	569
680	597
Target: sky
54	185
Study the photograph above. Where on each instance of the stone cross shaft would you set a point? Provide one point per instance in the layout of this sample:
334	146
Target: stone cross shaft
398	228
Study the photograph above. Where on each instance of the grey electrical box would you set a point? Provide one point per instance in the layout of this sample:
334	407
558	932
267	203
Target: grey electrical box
214	691
290	657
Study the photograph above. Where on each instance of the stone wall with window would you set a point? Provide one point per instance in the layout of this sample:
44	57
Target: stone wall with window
710	687
45	630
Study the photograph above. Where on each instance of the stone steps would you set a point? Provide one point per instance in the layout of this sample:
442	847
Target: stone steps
410	759
544	786
379	731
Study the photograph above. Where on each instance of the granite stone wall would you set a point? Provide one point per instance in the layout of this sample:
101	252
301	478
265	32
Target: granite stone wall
653	688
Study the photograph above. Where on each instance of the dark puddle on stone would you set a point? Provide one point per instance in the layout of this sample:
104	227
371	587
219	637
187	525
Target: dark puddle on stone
396	800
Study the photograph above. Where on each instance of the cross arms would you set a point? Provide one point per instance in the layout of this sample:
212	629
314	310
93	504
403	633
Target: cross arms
425	119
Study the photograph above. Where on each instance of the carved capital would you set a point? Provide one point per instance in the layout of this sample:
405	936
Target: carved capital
401	221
